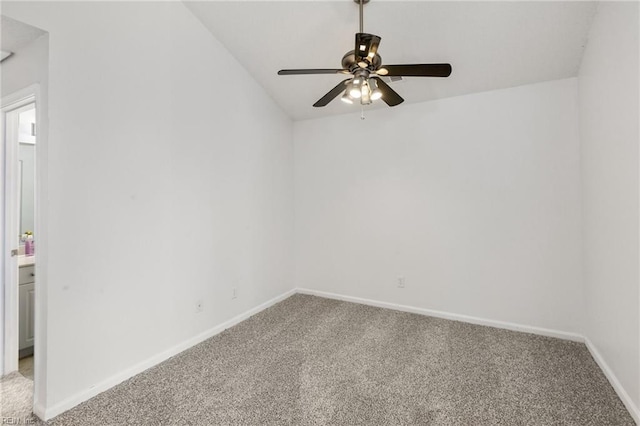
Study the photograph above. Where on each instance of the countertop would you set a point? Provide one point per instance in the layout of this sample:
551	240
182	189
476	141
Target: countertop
26	260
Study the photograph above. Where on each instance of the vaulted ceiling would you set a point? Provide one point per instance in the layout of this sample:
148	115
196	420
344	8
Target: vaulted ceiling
491	45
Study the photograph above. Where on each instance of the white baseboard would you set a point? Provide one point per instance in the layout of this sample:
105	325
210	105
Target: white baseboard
617	386
615	383
39	410
50	412
575	337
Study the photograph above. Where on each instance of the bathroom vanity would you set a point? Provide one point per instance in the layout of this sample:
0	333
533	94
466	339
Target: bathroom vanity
26	290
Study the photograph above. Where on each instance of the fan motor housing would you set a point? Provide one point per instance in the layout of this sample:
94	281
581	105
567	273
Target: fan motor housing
349	62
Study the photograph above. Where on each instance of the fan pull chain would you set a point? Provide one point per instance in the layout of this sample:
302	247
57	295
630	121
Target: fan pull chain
362	113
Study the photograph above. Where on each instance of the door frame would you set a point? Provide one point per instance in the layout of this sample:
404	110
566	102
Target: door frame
11	107
8	103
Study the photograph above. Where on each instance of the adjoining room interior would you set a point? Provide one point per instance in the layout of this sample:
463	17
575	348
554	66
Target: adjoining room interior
212	248
26	254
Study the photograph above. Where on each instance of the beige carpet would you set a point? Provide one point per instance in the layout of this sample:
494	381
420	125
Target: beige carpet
314	361
16	398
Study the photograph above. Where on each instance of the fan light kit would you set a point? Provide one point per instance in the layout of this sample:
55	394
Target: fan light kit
365	66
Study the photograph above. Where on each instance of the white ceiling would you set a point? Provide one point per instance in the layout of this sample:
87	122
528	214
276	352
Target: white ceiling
491	45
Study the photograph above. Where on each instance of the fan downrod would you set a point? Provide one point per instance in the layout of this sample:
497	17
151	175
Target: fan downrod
364	67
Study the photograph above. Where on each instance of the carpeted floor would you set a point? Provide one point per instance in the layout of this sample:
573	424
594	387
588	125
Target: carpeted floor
16	398
314	361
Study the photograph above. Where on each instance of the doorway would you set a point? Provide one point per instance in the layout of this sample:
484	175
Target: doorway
25	81
19	125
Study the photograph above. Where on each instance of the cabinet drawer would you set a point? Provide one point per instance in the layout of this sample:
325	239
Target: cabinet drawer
27	274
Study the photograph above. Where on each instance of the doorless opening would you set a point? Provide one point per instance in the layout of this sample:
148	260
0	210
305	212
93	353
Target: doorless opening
23	166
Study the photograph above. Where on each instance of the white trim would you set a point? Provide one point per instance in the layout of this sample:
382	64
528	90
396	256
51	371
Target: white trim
20	98
41	234
39	410
50	412
11	106
575	337
615	383
634	411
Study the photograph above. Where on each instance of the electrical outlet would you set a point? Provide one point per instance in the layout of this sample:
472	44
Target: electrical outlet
400	282
199	305
234	293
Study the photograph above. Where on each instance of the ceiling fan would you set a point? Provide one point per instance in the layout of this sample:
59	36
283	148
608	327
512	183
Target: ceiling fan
365	66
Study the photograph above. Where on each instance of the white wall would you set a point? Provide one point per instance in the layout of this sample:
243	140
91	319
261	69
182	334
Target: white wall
170	181
473	199
609	113
25	67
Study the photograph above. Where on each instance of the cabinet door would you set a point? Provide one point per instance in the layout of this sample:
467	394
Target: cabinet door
26	314
31	309
26	274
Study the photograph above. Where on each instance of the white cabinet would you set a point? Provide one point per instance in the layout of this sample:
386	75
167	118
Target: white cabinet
27	299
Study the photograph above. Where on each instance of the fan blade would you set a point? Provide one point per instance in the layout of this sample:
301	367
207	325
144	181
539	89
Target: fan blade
366	46
323	101
416	70
388	94
313	71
